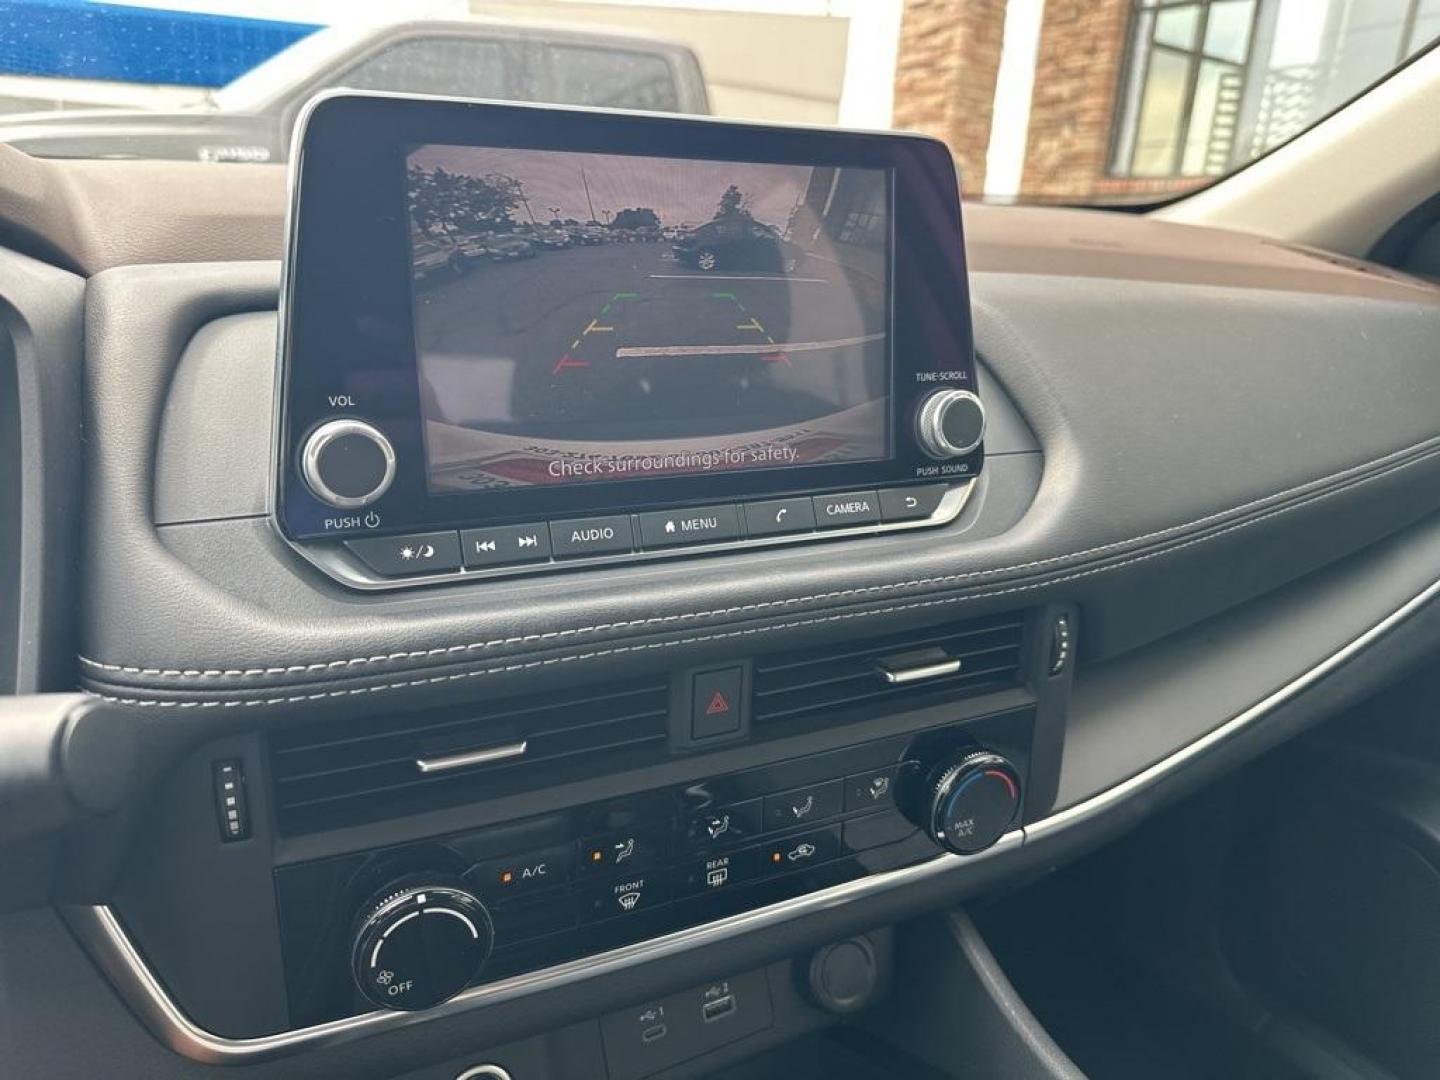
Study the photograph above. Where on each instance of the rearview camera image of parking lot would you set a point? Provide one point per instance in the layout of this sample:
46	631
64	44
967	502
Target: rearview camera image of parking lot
591	317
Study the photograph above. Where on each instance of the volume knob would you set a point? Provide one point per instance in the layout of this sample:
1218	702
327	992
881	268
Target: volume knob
347	463
950	423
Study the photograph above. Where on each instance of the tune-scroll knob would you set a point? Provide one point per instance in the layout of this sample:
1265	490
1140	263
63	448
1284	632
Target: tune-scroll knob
969	801
419	943
950	423
347	463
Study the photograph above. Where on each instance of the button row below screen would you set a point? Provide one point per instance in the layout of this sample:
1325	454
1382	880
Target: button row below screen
516	545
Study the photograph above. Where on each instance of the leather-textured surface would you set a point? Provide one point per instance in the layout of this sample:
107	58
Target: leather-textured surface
1202	445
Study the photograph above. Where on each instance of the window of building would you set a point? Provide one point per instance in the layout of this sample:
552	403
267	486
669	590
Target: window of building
1187	78
1211	84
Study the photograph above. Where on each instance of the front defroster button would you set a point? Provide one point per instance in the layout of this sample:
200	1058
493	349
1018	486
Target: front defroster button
626	895
579	537
846	509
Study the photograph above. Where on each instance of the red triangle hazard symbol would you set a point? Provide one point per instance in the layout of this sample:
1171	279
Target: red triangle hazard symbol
718	704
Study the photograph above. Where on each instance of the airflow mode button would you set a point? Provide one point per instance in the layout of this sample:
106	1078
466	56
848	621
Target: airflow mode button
847	508
579	537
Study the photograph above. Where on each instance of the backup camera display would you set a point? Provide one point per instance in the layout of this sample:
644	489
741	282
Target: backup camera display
592	317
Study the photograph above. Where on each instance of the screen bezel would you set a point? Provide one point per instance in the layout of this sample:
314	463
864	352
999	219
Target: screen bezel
347	331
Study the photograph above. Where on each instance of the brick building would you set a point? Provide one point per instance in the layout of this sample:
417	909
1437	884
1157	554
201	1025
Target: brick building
1099	100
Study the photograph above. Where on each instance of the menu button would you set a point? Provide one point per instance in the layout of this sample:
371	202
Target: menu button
705	525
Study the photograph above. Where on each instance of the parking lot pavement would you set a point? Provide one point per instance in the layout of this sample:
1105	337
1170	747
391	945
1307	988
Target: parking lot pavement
623	329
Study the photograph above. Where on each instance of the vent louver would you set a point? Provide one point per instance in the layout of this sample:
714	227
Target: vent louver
848	675
344	772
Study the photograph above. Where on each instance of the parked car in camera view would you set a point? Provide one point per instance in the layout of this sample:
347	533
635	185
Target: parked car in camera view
511	249
738	243
434	258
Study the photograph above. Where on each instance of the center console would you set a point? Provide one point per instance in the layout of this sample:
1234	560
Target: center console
543	355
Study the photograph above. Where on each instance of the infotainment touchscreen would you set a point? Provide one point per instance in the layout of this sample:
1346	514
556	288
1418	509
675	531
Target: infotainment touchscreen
582	318
535	336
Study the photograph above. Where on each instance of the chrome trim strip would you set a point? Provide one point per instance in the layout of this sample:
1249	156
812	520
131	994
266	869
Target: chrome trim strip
484	1072
1098	803
105	938
918	674
472	757
334	560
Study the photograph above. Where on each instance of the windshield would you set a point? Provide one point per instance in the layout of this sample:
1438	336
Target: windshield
1105	101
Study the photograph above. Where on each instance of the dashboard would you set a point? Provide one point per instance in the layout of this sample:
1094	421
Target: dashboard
1154	498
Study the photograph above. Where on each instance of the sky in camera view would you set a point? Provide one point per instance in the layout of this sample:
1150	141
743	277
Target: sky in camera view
680	192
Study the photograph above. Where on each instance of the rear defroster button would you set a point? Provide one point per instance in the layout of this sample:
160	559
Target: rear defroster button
847	508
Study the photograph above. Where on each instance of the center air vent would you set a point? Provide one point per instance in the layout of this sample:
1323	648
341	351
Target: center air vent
344	772
874	674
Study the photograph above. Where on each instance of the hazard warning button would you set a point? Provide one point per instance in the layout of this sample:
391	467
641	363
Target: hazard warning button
717	702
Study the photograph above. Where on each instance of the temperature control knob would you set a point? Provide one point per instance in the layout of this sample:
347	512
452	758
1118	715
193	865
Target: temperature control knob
950	423
419	943
968	801
347	463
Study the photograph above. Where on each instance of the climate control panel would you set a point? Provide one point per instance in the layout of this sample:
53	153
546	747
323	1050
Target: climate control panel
430	918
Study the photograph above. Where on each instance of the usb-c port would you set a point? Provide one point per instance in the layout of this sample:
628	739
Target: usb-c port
718	1009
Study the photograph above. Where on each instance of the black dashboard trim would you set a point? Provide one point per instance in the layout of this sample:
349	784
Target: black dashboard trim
101	931
115	682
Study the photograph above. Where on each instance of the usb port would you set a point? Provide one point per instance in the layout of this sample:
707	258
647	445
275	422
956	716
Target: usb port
718	1009
653	1034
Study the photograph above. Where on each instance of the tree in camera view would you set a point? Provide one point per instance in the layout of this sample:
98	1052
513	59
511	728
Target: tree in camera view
443	202
733	203
641	217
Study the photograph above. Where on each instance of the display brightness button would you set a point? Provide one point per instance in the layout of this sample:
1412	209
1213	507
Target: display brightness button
708	524
414	553
846	509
